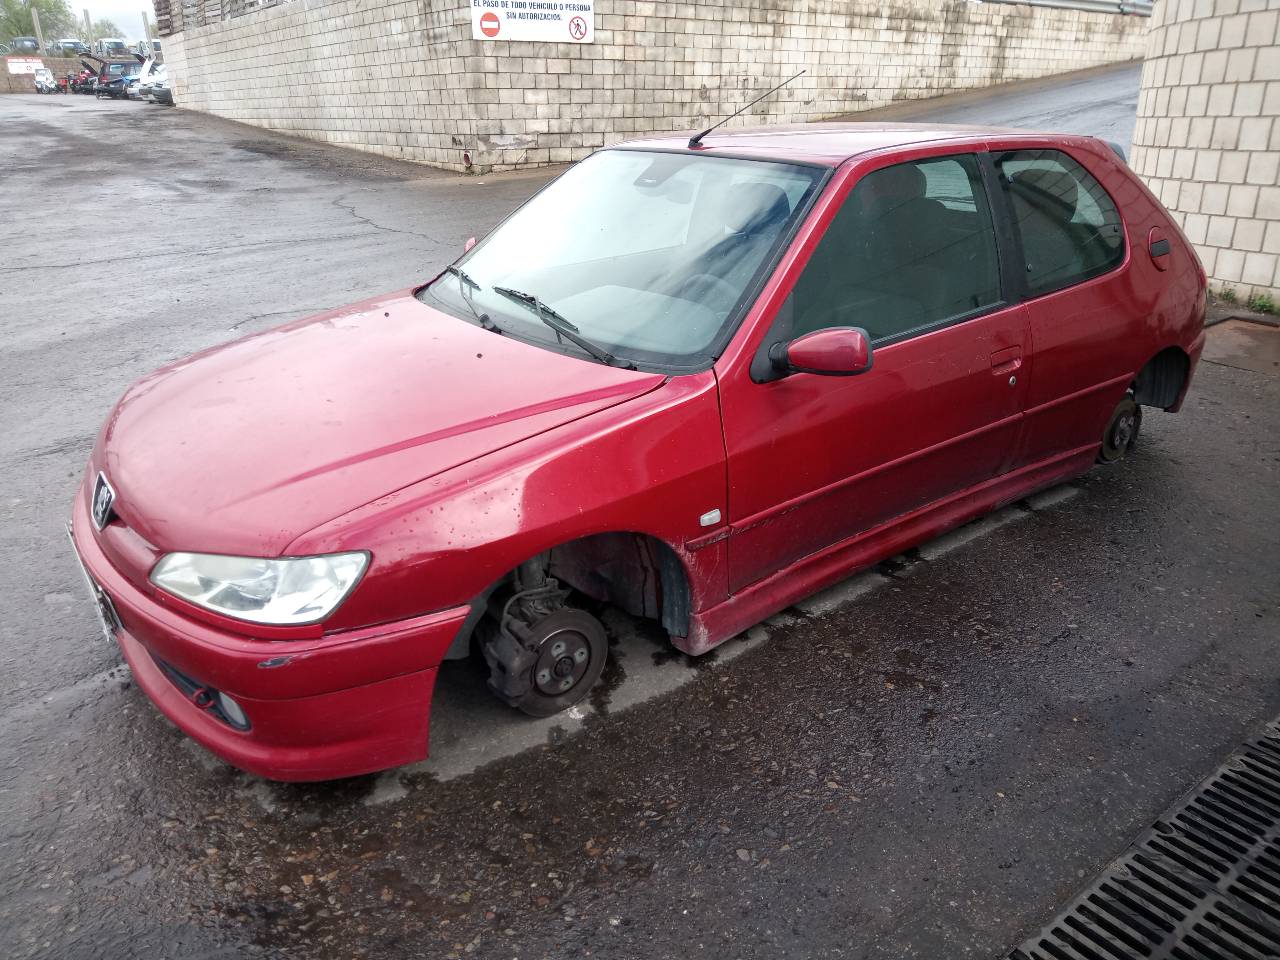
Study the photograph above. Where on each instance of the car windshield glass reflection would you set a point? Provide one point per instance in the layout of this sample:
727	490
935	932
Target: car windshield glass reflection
649	255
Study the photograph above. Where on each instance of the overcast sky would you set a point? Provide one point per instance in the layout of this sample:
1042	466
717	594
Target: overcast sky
126	14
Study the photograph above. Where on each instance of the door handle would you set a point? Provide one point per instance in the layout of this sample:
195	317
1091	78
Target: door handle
1006	361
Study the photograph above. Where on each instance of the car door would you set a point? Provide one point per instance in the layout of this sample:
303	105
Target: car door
911	256
1082	308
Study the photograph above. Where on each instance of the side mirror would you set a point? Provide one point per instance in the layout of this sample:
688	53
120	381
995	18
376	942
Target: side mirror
834	352
471	242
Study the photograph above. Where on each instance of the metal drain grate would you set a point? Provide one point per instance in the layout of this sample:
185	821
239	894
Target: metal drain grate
1202	884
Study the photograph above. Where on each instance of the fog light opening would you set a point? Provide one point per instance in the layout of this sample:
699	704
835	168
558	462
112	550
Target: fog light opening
213	702
233	712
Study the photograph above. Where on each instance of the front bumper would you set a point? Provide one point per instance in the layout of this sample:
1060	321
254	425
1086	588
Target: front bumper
319	709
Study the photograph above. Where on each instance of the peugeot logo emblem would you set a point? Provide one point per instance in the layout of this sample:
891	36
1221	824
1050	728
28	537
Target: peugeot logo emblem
103	500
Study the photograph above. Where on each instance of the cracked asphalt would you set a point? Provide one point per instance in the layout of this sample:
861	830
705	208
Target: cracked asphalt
926	761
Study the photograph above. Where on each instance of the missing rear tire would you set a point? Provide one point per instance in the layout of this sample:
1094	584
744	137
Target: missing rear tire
1121	435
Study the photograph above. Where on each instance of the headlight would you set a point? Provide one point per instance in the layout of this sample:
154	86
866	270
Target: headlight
287	591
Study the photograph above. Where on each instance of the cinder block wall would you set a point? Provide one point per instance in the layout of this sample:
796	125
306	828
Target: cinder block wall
406	79
1207	140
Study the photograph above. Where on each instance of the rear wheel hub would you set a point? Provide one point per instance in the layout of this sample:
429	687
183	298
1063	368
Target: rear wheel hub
1122	431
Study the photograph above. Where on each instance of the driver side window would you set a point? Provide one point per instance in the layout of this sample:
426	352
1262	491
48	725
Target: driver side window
912	247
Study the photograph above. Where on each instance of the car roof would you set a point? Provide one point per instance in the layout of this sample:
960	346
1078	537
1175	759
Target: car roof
828	144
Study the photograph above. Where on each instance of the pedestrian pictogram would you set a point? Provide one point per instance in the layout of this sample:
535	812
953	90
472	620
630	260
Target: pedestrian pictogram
533	21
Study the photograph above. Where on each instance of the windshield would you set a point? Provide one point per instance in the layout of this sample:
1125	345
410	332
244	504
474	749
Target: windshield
648	256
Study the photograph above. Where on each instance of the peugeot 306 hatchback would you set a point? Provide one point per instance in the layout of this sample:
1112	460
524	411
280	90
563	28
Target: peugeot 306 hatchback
694	381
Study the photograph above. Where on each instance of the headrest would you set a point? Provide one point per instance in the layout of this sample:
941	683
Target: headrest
755	206
892	187
1047	188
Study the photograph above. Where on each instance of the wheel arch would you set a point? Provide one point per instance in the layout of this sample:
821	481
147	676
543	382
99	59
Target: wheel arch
638	572
1160	381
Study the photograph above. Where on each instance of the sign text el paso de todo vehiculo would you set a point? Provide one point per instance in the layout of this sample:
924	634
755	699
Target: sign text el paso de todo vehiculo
540	21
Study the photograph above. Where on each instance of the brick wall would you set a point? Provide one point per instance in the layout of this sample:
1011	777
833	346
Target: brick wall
1208	135
406	79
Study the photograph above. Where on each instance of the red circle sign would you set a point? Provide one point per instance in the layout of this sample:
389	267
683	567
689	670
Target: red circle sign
490	24
577	28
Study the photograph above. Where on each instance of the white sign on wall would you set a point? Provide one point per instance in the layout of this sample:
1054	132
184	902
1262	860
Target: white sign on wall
542	21
24	64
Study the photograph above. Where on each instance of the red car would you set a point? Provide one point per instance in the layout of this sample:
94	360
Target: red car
695	381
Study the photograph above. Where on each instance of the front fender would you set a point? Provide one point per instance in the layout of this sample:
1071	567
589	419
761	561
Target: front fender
652	465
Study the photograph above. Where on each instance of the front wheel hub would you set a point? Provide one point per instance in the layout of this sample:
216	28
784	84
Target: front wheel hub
568	650
562	662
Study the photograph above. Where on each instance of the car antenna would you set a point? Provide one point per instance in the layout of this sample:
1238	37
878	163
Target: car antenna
696	141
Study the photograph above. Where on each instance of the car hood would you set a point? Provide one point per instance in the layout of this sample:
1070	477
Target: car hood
243	448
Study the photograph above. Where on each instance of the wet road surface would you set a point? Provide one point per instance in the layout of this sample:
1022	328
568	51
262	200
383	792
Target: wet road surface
927	761
1099	102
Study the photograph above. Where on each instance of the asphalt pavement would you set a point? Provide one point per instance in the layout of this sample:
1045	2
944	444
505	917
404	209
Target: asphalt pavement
1098	102
927	761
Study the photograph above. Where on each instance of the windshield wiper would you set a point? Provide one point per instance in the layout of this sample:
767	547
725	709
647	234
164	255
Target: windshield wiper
461	274
465	281
561	326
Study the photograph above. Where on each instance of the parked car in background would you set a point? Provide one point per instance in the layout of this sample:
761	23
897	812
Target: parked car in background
68	47
161	92
24	45
695	379
111	47
45	82
144	79
115	77
147	85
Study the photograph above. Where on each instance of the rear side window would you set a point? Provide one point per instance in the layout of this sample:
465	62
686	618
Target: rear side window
912	248
1071	230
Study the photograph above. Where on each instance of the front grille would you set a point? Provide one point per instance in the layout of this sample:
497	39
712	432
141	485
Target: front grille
202	695
1202	883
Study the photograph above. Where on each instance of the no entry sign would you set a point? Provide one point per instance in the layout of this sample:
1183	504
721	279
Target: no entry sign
535	21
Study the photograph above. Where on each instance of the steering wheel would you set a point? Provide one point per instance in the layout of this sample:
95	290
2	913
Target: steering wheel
708	290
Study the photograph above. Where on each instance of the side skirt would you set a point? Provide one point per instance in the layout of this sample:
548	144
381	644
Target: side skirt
713	626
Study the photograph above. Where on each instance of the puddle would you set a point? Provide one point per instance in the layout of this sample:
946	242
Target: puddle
470	727
1244	345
